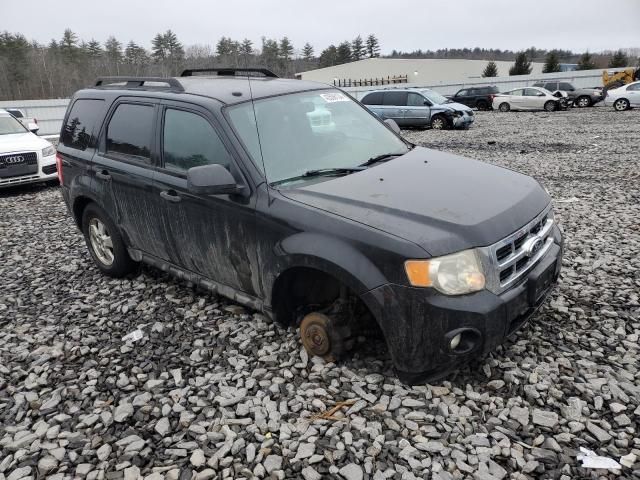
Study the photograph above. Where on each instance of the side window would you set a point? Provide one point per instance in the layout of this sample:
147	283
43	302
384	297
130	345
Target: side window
517	93
130	132
567	87
189	140
634	87
374	98
398	99
552	87
415	100
531	92
79	129
461	93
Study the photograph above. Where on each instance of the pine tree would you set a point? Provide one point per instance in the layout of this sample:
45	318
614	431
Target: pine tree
286	49
113	49
373	46
224	46
329	56
343	53
491	70
134	54
618	60
270	51
358	50
586	62
94	49
307	51
522	66
69	45
175	48
159	49
551	63
246	47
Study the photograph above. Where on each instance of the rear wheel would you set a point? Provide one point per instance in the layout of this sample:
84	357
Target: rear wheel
439	122
621	105
105	243
482	105
582	101
504	107
550	106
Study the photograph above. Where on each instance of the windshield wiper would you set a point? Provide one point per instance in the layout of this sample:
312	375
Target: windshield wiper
380	158
321	172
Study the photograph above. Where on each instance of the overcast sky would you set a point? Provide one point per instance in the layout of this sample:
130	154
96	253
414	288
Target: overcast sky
399	24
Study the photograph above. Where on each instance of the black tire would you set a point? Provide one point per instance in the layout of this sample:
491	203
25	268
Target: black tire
582	101
504	107
621	104
121	263
550	106
439	122
482	105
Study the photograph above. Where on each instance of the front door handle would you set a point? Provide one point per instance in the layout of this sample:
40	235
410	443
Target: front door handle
170	196
103	174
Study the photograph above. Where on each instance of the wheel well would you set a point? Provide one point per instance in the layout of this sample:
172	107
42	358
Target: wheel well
299	290
78	209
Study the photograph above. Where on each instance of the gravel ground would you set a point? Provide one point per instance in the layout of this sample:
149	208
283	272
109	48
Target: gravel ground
215	391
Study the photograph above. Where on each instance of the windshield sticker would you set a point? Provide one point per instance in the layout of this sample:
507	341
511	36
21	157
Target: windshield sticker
334	97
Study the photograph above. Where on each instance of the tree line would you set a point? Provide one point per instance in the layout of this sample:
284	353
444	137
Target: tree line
31	70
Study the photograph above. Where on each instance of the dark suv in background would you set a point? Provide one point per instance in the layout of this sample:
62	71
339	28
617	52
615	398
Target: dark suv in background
293	199
578	97
476	97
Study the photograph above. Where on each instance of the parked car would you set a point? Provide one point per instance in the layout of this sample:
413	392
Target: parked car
331	223
30	123
476	97
24	157
418	108
529	98
624	98
578	97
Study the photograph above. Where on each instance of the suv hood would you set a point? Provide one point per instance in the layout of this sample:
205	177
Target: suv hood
442	202
16	142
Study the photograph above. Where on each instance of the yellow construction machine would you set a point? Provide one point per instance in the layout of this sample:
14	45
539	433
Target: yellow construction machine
612	79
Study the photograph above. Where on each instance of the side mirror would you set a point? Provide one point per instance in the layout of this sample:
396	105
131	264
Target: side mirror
392	125
33	127
211	180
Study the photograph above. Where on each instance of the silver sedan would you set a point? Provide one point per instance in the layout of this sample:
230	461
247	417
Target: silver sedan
528	98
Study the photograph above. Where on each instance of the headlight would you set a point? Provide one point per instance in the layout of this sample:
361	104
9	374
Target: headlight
50	150
454	274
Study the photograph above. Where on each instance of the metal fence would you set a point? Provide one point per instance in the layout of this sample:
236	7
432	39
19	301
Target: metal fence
49	113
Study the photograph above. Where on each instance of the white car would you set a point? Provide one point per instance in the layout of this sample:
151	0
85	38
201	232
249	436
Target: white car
528	98
24	157
624	97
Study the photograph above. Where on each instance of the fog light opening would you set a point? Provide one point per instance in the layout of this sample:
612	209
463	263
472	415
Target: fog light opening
455	341
463	340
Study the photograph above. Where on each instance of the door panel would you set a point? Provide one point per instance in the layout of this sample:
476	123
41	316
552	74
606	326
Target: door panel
212	235
394	104
416	112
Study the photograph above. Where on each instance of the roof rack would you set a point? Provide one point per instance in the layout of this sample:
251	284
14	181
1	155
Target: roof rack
138	82
229	71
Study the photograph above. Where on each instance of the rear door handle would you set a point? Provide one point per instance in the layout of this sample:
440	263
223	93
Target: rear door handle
103	174
170	196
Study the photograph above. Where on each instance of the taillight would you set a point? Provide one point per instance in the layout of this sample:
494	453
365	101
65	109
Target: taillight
59	167
491	97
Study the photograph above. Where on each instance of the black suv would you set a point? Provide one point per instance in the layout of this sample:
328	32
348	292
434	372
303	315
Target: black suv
293	199
476	97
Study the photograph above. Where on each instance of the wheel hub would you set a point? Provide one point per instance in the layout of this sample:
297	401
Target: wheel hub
315	339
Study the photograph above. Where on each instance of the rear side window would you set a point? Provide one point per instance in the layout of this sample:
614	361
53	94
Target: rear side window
531	92
395	98
551	86
15	113
462	93
374	98
634	87
567	87
493	90
130	132
191	141
79	130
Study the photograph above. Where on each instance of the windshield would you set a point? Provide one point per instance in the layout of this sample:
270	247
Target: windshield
306	131
9	125
434	97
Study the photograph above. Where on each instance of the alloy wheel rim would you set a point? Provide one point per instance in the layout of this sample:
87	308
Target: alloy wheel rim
101	241
437	124
620	105
583	102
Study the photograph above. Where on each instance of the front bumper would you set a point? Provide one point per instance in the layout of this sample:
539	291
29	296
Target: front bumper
462	121
46	172
419	323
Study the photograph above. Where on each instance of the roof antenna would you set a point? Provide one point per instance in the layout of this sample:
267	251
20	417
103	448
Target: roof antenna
255	118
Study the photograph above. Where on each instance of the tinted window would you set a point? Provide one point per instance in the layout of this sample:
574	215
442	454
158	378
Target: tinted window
395	98
633	87
531	92
191	141
81	123
415	100
567	87
461	93
517	93
373	99
130	131
551	86
15	113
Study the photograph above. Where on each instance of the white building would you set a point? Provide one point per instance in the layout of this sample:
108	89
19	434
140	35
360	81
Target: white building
423	71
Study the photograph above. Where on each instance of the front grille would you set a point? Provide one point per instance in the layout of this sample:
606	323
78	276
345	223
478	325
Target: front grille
510	258
49	169
18	164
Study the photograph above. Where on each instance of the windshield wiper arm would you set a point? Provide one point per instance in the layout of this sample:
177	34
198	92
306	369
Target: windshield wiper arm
320	172
379	158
